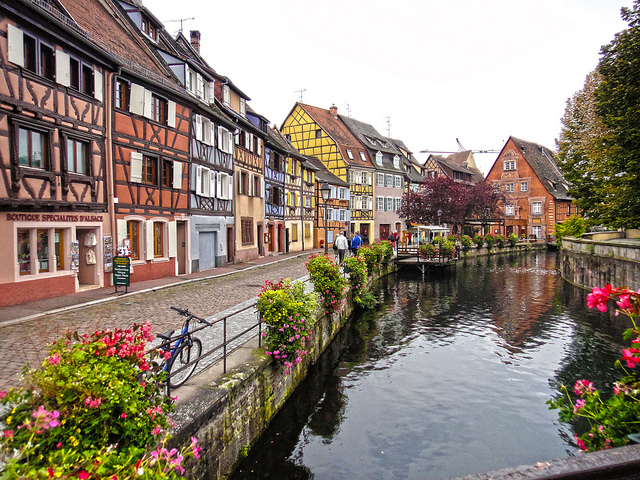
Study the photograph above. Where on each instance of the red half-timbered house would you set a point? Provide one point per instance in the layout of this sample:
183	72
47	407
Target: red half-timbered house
53	156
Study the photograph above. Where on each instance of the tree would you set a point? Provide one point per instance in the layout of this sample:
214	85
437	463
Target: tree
458	202
599	146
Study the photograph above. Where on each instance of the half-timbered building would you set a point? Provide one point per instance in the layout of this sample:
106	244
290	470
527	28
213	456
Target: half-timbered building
53	155
460	167
275	197
389	177
320	133
414	170
535	191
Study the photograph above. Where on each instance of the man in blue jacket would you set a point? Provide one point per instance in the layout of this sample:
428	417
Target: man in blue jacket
356	243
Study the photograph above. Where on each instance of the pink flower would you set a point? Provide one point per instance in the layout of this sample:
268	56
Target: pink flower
628	355
7	434
3	394
598	297
580	443
83	475
54	359
579	405
156	431
584	386
123	415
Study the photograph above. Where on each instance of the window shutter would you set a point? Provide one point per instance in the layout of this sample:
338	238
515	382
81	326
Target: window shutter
229	187
63	75
212	184
221	139
16	45
97	85
206	182
199	86
147	104
348	194
199	127
219	181
136	102
212	133
261	192
173	239
199	180
122	233
135	161
171	114
333	192
211	95
177	175
148	227
187	78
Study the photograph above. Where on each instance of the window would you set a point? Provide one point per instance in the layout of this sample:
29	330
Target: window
510	165
59	248
122	94
379	158
243	107
388	180
32	148
349	154
246	226
396	161
524	186
257	184
536	231
294	232
380	203
380	179
149	170
74	73
77	156
149	28
24	252
569	209
509	188
396	203
167	173
318	133
397	181
87	82
244	183
388	204
343	193
509	210
342	215
329	214
225	140
307	230
30	53
226	95
133	230
158	109
363	157
536	208
158	239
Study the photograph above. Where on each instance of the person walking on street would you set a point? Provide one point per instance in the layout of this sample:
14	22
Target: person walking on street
356	243
343	245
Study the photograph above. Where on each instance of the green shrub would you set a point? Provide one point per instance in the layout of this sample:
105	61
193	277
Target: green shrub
513	240
452	238
490	241
327	281
500	241
438	239
448	250
574	226
466	242
479	241
358	281
370	255
385	250
427	251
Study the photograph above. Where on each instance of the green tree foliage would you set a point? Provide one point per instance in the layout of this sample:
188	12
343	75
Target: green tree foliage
574	226
599	146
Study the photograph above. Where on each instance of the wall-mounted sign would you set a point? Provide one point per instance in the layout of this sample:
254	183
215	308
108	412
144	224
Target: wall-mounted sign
108	253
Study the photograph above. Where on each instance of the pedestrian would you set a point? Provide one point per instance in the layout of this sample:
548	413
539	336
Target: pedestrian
342	244
392	240
356	243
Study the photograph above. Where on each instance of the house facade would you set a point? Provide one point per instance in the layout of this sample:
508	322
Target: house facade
320	133
460	167
535	191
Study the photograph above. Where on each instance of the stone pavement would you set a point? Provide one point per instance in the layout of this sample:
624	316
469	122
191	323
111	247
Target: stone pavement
27	329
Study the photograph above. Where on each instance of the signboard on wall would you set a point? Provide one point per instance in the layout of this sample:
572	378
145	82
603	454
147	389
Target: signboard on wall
75	256
108	253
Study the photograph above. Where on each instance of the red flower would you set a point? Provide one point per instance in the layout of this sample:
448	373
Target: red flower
599	297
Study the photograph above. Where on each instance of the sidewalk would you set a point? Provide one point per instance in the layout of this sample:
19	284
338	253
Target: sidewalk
31	310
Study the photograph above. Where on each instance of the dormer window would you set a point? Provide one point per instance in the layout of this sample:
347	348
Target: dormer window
149	28
379	158
363	157
349	154
396	161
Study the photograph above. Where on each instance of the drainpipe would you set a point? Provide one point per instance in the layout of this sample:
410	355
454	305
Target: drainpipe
110	180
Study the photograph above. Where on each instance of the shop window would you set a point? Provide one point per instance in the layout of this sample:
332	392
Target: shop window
158	109
59	249
133	230
158	239
43	250
246	224
32	148
24	252
77	156
122	94
149	170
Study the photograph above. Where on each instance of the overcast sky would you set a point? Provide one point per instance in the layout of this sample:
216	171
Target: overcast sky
430	71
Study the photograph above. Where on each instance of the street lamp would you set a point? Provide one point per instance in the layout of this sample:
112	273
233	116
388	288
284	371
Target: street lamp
325	192
439	212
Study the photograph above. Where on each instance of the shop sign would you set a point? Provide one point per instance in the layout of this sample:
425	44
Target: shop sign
52	217
121	271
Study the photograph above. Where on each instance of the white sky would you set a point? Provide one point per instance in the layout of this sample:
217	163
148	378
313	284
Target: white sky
475	70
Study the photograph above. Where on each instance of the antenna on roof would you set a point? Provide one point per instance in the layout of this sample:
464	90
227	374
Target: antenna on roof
348	111
388	126
300	92
181	20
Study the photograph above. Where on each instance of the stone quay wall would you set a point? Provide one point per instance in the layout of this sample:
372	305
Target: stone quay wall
521	247
598	260
230	416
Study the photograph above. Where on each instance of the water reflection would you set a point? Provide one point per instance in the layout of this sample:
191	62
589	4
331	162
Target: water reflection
449	377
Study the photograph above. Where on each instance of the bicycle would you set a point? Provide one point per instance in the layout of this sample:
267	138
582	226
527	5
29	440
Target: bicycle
183	351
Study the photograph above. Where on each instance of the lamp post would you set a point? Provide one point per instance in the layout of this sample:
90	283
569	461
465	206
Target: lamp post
439	212
325	192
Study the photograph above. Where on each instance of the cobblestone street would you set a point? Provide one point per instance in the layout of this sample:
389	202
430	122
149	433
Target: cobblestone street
25	342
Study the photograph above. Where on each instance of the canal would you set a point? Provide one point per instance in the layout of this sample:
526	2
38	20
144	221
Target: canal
448	377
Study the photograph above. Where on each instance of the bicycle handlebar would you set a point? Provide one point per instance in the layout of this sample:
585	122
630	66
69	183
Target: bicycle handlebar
187	313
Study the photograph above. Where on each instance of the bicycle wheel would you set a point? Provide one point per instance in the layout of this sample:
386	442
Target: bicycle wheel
188	352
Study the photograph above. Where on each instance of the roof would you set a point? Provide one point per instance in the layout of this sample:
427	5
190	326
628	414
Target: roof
323	174
340	134
542	161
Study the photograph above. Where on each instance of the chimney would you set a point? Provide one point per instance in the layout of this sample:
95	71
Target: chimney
333	110
195	40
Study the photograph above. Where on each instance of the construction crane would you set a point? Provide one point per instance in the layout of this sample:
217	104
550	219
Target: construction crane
460	149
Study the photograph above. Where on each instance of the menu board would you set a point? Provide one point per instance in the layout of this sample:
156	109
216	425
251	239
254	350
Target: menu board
121	271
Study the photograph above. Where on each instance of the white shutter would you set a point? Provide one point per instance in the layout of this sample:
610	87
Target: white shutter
212	133
16	45
221	139
147	104
199	127
63	66
198	180
211	95
171	114
187	78
219	181
177	175
148	230
261	192
136	102
212	183
230	145
97	85
229	191
135	174
252	184
122	232
199	86
348	194
173	239
205	181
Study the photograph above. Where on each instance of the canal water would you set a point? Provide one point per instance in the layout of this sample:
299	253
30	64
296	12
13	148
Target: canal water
448	377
